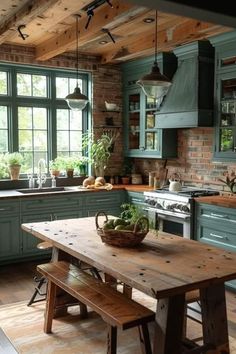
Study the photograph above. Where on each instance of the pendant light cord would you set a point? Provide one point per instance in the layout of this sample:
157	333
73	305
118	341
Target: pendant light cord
156	39
77	50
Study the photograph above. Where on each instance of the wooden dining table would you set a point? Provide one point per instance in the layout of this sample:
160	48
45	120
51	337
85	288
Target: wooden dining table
163	266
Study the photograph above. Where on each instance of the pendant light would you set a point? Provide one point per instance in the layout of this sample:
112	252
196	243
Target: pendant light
76	100
155	84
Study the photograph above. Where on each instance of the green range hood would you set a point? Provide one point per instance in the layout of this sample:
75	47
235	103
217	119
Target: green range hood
189	101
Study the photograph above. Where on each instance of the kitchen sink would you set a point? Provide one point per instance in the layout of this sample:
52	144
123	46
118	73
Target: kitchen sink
40	190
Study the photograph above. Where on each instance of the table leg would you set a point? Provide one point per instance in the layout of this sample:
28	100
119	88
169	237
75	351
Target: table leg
214	318
169	325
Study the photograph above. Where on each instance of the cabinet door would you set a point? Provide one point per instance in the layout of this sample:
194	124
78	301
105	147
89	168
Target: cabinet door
226	117
109	202
29	242
133	120
9	237
142	138
216	226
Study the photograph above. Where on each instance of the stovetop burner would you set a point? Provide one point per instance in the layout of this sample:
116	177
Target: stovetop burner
189	191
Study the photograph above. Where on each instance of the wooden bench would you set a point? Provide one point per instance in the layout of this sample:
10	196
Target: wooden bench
115	308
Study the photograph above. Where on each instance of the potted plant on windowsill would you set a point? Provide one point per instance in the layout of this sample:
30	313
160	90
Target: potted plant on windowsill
14	161
55	166
4	171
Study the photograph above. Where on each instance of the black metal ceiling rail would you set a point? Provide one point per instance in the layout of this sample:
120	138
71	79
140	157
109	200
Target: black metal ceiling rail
105	30
91	7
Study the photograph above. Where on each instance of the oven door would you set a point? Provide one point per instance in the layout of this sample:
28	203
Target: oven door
167	221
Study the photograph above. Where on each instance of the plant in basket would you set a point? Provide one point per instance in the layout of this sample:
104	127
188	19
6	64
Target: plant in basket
120	232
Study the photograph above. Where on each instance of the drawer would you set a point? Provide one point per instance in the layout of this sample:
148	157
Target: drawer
50	203
99	199
219	237
9	208
217	214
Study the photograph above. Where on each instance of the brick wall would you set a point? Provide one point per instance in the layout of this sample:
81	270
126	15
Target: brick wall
194	162
106	86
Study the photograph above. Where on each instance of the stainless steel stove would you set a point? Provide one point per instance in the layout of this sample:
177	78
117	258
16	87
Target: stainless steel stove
173	211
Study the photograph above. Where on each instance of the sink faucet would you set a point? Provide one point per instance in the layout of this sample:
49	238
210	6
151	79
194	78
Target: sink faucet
41	176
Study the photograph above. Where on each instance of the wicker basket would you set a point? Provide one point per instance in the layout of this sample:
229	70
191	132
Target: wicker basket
122	238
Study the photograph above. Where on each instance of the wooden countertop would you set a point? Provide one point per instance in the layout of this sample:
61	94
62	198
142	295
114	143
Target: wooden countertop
219	200
133	187
12	193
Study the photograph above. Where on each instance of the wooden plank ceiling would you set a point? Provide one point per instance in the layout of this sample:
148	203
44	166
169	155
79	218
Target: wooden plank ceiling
50	27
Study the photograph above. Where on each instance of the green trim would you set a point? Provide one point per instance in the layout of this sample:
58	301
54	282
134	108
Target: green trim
51	103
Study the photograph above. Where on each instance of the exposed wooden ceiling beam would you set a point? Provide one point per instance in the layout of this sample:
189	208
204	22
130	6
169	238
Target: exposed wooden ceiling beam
183	32
209	11
104	17
24	15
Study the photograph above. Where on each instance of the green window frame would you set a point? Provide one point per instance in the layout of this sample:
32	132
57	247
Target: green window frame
34	116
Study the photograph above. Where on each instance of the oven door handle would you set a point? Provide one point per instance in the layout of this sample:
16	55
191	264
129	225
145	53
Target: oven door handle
166	213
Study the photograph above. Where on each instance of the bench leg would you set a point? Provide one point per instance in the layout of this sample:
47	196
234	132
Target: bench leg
127	291
50	304
144	339
111	339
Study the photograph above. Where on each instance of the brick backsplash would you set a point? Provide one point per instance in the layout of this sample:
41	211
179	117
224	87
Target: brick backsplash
194	162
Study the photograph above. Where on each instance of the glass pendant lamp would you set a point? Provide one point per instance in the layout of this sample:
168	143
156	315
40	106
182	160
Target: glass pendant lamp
76	100
155	84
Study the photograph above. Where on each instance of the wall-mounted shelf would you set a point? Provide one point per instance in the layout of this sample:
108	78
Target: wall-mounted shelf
105	126
106	111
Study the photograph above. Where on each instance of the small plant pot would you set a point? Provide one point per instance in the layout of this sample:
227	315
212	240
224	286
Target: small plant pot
14	171
125	180
70	173
55	173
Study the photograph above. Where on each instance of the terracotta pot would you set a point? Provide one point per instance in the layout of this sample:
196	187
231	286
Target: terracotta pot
70	173
55	173
14	171
125	180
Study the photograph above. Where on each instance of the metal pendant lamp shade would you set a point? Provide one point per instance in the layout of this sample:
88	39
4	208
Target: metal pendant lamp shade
76	100
155	84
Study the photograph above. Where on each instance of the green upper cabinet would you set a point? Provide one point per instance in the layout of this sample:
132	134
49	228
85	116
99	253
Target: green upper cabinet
142	138
225	96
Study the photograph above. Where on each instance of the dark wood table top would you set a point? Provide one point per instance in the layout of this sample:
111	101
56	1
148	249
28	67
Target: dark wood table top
161	266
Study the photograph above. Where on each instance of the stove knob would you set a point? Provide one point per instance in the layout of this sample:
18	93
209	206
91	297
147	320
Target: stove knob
159	206
185	208
170	206
152	202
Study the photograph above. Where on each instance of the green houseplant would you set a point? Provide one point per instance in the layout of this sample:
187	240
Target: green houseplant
126	171
99	152
55	166
4	171
14	161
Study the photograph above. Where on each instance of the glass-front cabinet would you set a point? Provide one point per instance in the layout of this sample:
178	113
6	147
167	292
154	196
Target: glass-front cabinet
143	134
227	116
142	137
225	97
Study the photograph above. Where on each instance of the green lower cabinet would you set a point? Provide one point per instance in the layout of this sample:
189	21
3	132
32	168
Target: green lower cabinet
215	225
17	245
29	242
10	246
9	237
137	198
109	202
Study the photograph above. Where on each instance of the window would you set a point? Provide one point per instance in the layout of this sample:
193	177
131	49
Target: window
34	116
